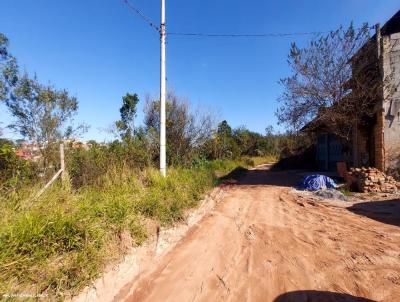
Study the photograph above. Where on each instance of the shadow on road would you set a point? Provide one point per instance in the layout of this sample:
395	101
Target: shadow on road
262	175
386	211
318	296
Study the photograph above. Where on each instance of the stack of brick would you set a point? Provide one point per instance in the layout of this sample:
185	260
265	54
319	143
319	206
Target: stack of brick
372	180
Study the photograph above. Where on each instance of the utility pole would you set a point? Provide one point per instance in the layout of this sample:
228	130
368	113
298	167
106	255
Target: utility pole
163	156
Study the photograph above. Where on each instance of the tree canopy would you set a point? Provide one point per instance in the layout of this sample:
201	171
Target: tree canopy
128	112
8	69
41	113
187	130
320	75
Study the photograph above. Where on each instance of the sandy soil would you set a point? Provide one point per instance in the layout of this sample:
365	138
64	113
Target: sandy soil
140	259
263	242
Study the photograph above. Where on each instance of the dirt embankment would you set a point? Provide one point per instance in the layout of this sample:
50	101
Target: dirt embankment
263	243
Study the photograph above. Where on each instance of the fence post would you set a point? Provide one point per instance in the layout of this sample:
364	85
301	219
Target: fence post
63	174
59	172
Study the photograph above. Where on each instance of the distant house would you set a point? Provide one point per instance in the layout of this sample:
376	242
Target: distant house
27	151
24	154
376	142
77	144
31	151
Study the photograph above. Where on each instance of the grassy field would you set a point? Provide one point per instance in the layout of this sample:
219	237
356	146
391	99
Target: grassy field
57	244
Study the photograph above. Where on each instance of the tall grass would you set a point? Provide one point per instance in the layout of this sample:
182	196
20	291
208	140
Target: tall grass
266	159
59	243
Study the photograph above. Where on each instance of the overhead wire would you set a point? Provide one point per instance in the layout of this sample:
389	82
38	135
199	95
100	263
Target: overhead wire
246	35
139	13
261	35
152	24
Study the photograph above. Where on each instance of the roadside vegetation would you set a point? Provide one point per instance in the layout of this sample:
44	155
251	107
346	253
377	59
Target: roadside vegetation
61	241
57	243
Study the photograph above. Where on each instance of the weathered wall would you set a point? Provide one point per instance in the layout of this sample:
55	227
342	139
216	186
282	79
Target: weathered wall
379	154
391	104
361	149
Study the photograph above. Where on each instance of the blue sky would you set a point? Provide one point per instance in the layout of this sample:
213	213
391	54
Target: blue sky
98	50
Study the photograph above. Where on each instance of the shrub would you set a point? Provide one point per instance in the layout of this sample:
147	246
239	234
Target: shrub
14	171
87	167
59	243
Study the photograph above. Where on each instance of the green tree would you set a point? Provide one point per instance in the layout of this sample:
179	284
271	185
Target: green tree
223	143
42	114
250	143
128	111
14	172
8	69
187	131
272	140
224	129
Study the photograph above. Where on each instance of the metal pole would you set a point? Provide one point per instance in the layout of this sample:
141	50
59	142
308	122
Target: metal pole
163	164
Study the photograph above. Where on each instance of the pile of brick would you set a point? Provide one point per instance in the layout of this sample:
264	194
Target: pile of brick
372	180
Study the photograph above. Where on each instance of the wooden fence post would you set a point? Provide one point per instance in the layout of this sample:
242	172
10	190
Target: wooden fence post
59	172
62	162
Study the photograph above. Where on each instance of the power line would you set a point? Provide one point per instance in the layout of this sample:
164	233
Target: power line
141	15
260	35
247	35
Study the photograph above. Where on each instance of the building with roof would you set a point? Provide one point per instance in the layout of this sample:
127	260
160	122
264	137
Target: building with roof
376	141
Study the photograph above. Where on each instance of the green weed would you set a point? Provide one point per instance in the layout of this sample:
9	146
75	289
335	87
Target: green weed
59	243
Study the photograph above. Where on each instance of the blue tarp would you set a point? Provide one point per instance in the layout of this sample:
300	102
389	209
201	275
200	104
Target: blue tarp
317	182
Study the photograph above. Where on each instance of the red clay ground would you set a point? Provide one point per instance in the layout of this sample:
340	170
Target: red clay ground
264	243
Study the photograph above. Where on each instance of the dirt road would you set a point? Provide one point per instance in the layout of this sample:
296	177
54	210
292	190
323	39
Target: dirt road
264	243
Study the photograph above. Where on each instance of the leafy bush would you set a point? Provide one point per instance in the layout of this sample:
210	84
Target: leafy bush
59	243
14	172
87	167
